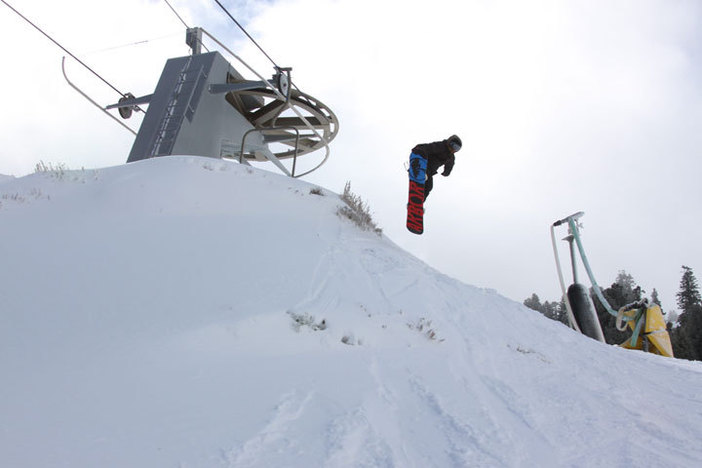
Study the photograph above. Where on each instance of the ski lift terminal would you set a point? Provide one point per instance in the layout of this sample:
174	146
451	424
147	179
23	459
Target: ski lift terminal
203	106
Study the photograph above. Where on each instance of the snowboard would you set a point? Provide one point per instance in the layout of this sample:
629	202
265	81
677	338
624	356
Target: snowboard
415	204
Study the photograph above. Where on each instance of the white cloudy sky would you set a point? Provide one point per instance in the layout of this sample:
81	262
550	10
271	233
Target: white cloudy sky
562	106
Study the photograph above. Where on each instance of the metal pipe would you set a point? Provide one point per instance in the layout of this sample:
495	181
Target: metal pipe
63	69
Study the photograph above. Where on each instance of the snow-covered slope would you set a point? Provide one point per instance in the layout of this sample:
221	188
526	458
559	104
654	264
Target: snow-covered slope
193	312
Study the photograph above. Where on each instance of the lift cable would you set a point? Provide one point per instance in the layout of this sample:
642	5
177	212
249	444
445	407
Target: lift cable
176	13
131	44
247	34
64	49
183	21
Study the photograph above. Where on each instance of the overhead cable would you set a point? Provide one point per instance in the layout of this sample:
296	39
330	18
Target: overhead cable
176	13
63	48
247	34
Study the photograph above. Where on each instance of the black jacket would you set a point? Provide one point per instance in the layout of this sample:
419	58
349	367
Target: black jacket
437	154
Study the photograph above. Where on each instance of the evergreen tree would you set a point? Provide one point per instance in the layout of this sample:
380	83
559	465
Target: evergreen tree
556	311
672	318
689	294
655	300
687	336
553	310
622	292
625	282
694	330
682	345
534	303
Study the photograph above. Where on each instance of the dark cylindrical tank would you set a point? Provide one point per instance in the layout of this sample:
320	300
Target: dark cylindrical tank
584	311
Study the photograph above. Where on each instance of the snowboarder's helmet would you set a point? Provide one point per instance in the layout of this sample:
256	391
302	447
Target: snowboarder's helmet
454	142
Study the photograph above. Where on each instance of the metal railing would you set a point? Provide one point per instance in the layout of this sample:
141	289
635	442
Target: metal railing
275	160
281	97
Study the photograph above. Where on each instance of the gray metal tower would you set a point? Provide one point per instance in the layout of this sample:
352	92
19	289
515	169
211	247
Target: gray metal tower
203	106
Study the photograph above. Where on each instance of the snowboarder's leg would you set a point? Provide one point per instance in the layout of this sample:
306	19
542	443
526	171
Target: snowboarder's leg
417	168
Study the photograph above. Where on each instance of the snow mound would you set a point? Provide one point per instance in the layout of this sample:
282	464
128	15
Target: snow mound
186	311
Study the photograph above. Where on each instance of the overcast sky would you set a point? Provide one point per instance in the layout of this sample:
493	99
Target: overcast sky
562	106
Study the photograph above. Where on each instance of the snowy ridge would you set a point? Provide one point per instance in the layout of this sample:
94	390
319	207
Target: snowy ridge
192	312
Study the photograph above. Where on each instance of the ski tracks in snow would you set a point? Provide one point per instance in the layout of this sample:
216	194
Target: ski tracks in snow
375	433
273	440
353	441
361	434
463	445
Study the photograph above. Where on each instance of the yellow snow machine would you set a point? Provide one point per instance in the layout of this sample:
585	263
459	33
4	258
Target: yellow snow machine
648	328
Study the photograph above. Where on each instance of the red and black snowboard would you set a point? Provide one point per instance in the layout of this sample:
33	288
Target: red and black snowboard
415	204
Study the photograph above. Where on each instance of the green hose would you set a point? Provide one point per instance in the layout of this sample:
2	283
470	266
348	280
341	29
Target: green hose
576	235
639	316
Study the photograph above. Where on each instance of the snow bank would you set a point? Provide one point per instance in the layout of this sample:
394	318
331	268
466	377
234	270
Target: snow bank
194	312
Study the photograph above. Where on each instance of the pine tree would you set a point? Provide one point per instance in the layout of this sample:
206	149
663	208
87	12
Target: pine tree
655	300
534	303
687	336
689	294
625	282
672	318
683	347
553	310
556	311
622	292
694	330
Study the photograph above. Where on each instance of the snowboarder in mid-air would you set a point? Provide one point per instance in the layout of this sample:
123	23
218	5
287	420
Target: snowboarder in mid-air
425	161
437	154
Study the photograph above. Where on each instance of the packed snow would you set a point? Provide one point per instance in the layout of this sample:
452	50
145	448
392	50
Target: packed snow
193	312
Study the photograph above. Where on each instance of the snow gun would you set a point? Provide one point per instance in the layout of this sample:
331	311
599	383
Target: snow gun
645	320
